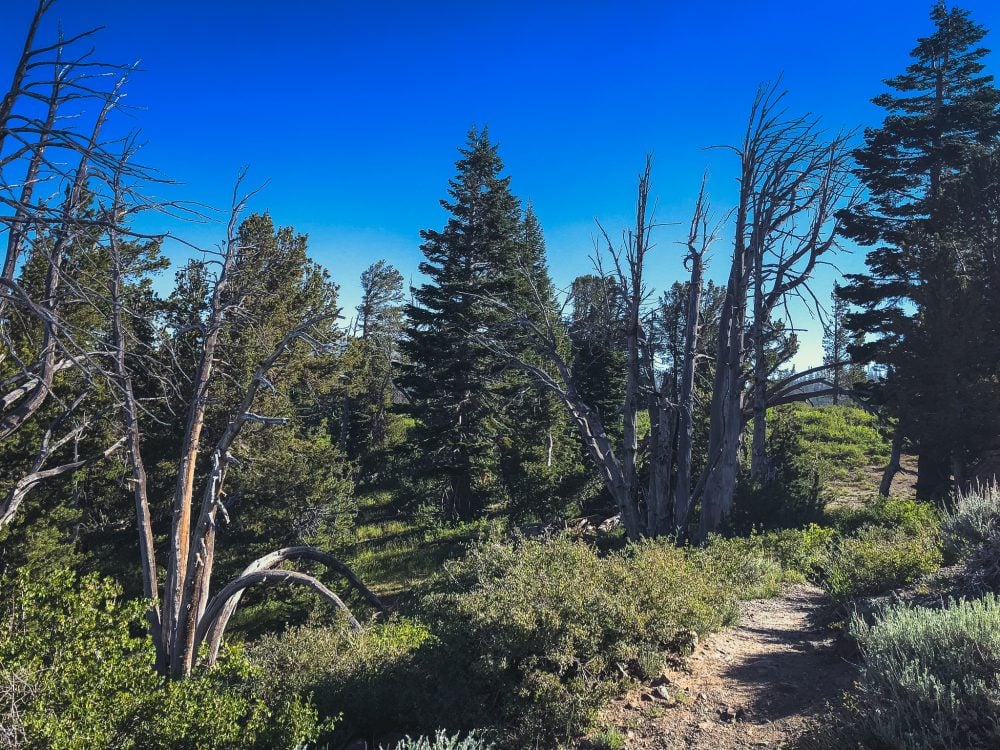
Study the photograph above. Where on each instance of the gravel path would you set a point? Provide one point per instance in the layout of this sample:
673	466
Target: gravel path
753	685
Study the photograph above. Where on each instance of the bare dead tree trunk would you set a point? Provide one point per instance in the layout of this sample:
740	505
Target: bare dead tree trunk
697	248
758	450
180	535
792	183
40	148
629	264
130	418
725	423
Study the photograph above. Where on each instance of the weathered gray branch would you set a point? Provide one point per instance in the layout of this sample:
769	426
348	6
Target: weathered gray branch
212	631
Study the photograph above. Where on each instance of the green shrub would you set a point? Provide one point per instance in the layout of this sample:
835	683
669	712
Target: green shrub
792	495
877	559
842	439
609	739
973	522
526	639
799	551
931	678
910	516
744	564
550	623
79	678
375	679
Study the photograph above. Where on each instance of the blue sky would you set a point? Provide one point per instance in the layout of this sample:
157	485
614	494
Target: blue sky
352	112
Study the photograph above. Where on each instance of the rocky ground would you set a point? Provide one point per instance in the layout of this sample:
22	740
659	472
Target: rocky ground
758	684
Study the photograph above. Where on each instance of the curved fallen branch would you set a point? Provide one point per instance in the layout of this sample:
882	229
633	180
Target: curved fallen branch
236	587
216	618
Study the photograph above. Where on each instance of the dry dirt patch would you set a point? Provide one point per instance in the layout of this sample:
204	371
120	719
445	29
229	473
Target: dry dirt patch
755	685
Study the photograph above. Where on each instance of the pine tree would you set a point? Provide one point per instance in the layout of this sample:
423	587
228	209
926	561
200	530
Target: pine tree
538	451
943	110
450	374
838	338
598	341
366	409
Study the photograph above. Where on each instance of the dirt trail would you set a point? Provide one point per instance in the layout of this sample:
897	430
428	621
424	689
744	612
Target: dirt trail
754	685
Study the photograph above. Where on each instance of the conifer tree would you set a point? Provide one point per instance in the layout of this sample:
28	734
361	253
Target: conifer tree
940	113
538	452
366	409
598	341
449	376
837	340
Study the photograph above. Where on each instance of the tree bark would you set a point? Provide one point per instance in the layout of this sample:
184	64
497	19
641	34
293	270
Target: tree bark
213	629
893	467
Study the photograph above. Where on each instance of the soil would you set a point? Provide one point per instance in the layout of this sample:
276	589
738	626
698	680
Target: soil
759	684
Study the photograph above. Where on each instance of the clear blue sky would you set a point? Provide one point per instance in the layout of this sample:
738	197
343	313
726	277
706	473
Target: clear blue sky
352	111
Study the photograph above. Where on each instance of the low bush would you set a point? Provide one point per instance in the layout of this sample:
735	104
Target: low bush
843	439
908	515
876	559
372	681
973	522
551	625
609	739
745	563
799	551
526	640
442	741
75	676
931	677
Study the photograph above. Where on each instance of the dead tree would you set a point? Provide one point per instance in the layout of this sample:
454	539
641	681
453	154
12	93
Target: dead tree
792	183
187	614
62	183
700	239
649	510
49	150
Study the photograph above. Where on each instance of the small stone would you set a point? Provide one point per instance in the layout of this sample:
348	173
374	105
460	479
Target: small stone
646	697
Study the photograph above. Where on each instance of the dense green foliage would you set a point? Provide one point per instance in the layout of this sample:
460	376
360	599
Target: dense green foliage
527	638
76	676
482	431
876	559
926	309
812	450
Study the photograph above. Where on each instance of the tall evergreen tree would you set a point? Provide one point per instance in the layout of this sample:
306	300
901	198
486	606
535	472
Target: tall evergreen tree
449	376
596	332
366	408
941	112
837	340
538	451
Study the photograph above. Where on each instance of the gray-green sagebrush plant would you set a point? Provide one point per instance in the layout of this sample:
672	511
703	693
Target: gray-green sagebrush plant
443	741
931	677
973	521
